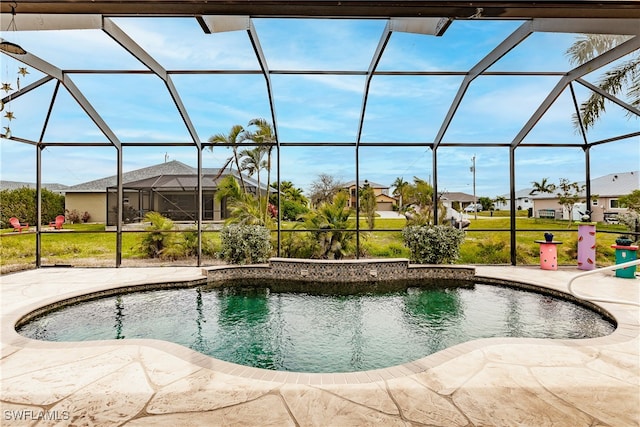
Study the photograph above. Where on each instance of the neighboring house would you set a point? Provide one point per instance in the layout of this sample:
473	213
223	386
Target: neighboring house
456	200
15	185
168	188
384	201
524	201
605	192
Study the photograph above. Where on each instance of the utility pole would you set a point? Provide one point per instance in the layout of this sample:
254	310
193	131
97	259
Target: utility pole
473	170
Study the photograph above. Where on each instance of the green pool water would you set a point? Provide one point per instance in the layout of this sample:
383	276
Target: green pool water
320	333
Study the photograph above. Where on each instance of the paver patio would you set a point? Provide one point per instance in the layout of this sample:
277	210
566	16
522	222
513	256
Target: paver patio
498	381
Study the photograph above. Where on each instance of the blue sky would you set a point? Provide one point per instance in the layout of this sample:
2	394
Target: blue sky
311	108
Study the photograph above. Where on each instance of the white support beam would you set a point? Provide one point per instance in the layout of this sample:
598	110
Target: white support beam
428	26
587	26
586	68
45	21
221	24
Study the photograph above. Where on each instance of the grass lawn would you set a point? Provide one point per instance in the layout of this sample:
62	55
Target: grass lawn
487	242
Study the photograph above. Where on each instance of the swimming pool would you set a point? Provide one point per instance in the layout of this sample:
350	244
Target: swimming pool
321	332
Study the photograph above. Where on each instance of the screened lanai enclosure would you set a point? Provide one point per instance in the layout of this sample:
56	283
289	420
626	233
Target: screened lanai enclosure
358	90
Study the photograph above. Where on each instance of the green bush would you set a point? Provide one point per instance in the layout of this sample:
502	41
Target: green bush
291	211
245	244
190	243
297	245
158	243
438	244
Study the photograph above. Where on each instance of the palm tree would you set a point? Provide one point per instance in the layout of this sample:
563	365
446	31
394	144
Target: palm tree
244	208
331	218
542	187
236	135
290	192
500	200
400	189
624	77
264	135
252	163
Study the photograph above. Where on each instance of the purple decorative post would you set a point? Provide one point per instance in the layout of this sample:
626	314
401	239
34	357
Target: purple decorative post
587	246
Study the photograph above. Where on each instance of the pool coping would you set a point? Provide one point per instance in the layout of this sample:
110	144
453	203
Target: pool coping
627	329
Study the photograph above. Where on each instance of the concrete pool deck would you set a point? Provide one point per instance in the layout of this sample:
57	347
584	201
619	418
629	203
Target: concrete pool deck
497	381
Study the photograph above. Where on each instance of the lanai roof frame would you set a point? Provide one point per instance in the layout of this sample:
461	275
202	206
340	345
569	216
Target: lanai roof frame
418	16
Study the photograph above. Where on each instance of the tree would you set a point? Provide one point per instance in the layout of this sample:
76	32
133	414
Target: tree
569	195
324	189
486	203
21	203
292	202
631	201
501	200
401	187
331	218
243	207
542	187
266	137
368	204
252	163
419	198
622	78
235	136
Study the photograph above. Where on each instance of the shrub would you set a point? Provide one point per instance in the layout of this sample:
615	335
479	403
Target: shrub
631	220
245	244
438	244
158	243
291	211
190	244
297	245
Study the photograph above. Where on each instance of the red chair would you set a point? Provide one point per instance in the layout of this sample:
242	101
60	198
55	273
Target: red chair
57	224
15	223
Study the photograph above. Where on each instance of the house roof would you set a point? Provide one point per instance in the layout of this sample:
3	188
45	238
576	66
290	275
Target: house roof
616	184
15	185
611	185
385	198
363	182
457	197
166	175
520	194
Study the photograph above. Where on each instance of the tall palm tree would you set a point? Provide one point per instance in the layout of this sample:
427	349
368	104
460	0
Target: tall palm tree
235	136
400	189
252	163
264	135
542	187
624	77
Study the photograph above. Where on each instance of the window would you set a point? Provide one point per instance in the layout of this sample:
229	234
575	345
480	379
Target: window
594	202
613	204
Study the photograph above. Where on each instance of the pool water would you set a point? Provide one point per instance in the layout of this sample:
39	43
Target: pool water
320	333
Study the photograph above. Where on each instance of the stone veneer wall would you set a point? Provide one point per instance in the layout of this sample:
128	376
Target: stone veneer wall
342	271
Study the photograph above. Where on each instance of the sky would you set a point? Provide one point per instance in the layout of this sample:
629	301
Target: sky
310	108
